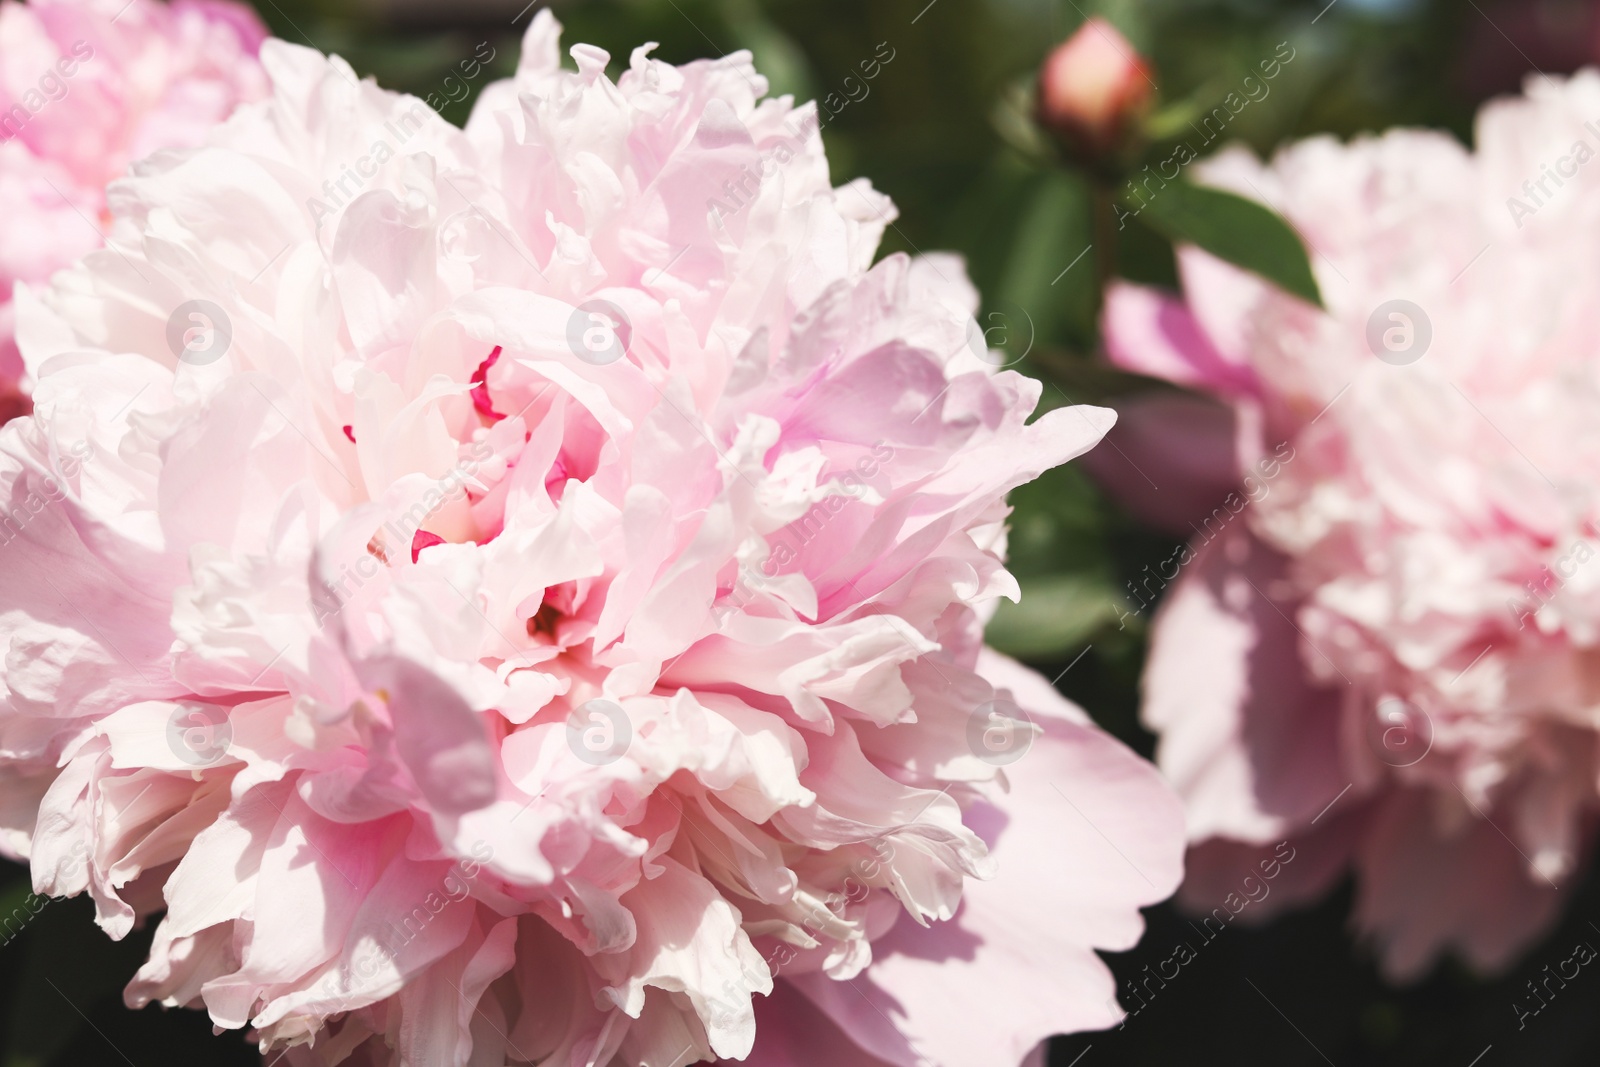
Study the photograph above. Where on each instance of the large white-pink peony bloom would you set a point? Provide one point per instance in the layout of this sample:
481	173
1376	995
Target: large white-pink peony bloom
86	87
515	596
1384	643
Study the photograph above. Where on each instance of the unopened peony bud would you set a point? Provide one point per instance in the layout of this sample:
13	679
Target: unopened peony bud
1093	89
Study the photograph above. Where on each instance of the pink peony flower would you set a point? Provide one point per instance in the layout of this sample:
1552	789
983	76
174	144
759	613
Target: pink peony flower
86	87
515	596
1381	644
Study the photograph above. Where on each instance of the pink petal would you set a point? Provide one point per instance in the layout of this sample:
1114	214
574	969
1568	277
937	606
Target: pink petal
1087	835
794	1032
1151	333
1425	890
1249	742
1170	459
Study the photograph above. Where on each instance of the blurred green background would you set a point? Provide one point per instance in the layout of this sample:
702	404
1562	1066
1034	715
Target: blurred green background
935	131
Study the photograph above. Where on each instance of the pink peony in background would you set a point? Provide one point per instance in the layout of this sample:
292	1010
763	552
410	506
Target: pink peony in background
516	596
86	87
1383	642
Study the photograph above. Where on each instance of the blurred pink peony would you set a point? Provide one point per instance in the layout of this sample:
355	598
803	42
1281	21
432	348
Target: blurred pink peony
1383	643
86	87
511	595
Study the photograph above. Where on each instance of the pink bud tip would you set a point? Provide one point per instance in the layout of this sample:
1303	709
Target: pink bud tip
1092	90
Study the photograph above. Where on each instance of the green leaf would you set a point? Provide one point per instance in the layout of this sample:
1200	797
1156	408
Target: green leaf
1230	227
1058	612
1012	119
1059	524
1046	291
